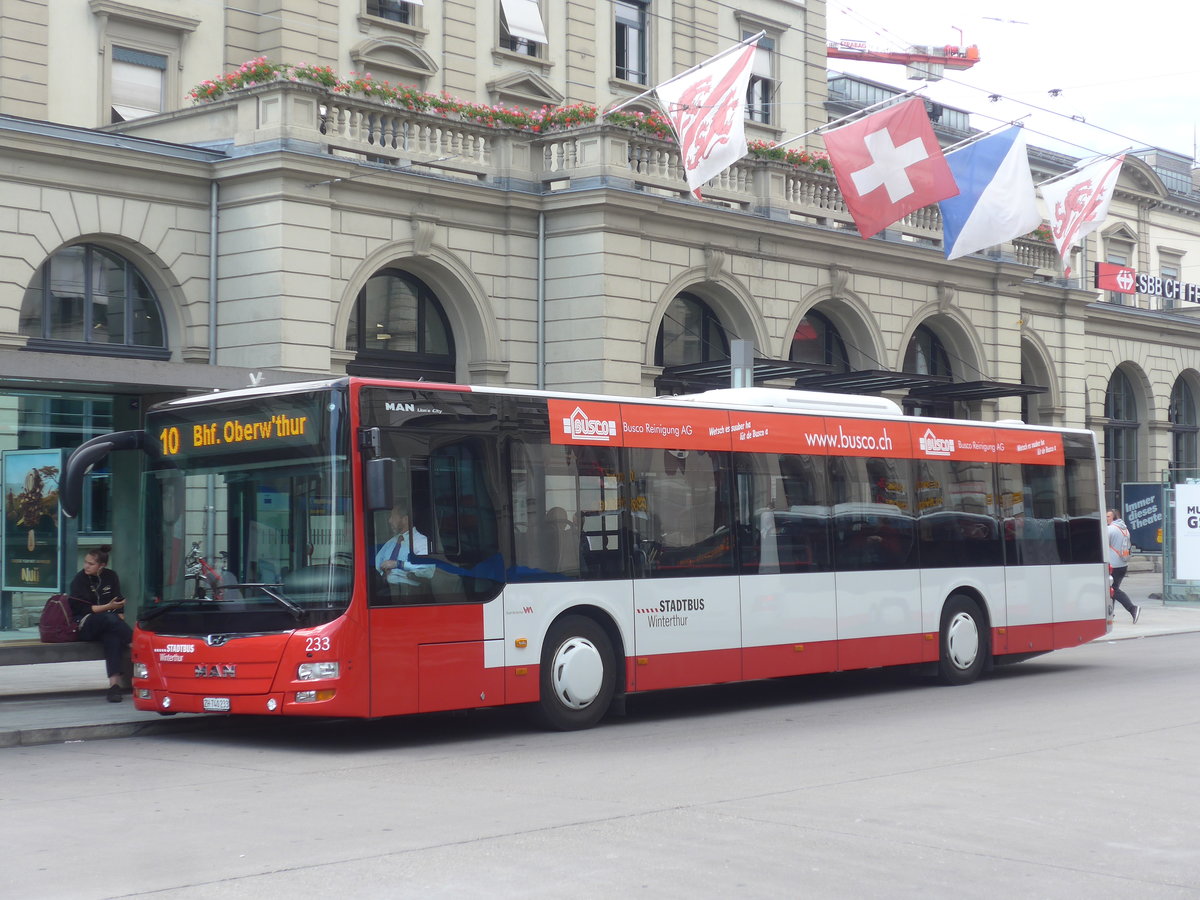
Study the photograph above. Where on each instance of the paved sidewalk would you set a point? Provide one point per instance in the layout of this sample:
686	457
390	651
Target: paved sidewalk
65	701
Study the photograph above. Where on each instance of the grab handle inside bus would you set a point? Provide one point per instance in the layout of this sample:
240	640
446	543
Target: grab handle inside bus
377	492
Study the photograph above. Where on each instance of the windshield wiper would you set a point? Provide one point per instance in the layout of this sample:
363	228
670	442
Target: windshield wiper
157	611
299	612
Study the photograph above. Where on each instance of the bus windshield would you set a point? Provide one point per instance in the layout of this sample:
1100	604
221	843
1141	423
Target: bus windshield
248	510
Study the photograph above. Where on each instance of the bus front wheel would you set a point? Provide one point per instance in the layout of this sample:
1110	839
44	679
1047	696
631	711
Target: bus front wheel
578	674
963	641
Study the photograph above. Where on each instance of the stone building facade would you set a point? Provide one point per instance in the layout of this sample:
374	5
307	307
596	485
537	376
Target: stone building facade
284	231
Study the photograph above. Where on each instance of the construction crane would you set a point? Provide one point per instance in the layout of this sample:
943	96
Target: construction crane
924	63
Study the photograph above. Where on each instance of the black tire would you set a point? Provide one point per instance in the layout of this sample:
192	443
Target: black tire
578	674
964	641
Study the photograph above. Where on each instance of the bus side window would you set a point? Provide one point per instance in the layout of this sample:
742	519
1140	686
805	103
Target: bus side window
786	513
874	524
1084	517
681	512
546	488
1034	514
956	514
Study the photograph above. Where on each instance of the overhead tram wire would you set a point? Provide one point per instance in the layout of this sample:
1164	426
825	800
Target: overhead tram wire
822	65
901	43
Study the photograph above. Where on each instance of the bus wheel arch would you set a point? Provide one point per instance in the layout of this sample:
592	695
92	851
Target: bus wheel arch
963	639
580	671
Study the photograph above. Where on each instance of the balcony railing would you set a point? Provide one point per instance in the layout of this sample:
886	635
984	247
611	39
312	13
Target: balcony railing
383	133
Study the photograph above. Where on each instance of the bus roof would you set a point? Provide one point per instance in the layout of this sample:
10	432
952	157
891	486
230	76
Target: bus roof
782	399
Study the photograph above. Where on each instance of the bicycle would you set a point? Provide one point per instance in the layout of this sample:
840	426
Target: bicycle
207	578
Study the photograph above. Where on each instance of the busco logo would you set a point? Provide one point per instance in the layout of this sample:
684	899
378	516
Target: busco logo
581	427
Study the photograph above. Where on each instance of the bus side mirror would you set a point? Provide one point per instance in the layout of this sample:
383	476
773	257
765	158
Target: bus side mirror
86	455
377	492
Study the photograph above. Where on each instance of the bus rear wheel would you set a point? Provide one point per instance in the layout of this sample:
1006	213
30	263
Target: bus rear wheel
578	674
964	645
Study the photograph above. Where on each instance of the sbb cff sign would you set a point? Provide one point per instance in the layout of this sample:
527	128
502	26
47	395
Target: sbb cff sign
1127	280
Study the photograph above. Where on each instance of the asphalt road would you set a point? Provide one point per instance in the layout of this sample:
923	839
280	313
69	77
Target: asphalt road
1073	775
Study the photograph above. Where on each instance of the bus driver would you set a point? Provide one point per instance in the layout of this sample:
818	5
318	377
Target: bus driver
392	560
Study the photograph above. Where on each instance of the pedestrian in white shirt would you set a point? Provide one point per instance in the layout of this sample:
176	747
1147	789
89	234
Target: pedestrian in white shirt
1118	561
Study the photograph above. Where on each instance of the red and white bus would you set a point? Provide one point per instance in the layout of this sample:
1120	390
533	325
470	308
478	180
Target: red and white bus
577	549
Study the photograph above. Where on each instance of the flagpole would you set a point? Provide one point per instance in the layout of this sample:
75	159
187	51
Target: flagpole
857	112
1079	168
966	142
645	93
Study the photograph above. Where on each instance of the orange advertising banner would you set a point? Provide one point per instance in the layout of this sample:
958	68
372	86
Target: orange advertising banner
956	442
703	428
1042	448
678	428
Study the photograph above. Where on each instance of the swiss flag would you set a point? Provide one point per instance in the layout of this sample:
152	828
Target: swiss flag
888	165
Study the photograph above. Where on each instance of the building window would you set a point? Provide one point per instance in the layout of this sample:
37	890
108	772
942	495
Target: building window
690	333
138	81
760	92
392	10
1181	413
92	298
45	421
399	328
817	341
1120	437
631	45
926	355
521	27
1169	272
141	70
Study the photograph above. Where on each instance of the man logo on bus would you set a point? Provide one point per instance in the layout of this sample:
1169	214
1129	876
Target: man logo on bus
932	445
581	428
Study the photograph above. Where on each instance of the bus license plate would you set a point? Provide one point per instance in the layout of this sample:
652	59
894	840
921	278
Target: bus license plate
216	704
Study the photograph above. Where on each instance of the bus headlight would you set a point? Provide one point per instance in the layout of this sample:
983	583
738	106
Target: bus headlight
314	671
141	670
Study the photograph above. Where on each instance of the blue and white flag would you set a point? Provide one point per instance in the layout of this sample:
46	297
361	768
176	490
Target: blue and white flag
996	200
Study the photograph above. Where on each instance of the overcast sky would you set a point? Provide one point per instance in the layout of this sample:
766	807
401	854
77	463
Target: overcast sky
1130	68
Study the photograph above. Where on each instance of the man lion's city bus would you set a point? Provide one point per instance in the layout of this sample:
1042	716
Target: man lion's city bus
567	551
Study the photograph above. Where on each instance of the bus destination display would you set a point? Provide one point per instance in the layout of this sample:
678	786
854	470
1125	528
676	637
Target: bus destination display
228	431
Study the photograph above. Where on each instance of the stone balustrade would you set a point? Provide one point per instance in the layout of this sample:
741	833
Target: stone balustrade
461	147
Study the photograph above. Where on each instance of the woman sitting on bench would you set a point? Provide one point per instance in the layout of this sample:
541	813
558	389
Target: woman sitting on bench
96	602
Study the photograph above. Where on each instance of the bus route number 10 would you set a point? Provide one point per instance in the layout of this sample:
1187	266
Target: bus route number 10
169	439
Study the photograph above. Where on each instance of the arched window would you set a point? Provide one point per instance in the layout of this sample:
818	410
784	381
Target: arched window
1184	428
85	299
817	341
690	333
398	328
1120	437
926	355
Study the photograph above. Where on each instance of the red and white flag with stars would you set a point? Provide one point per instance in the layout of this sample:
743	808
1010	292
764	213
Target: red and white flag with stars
888	165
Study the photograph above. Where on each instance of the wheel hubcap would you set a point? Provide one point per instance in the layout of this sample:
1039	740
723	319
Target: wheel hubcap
577	673
962	640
